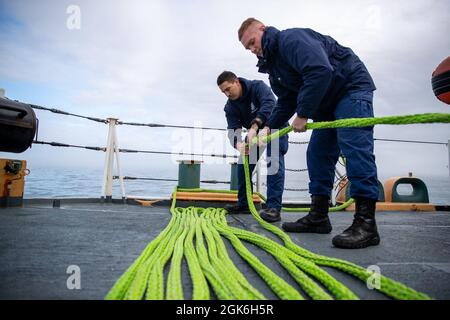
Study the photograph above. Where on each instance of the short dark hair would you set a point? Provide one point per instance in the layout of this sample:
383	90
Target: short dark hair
226	76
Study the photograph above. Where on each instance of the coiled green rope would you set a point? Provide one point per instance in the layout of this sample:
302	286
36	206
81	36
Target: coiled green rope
389	287
210	266
286	209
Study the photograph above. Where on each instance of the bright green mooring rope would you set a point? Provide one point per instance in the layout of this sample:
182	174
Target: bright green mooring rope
196	234
365	122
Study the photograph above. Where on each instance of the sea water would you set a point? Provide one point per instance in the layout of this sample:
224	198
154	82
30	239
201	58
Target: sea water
81	183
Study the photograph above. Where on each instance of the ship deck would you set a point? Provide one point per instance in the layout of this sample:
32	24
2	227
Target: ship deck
38	243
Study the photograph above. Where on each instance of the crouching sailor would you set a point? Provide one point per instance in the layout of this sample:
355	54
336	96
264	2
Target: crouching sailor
249	105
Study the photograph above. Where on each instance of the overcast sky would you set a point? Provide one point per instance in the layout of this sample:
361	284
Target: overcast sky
157	61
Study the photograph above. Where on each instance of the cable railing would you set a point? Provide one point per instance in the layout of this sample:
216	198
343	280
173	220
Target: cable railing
170	180
112	148
159	125
202	181
412	141
65	145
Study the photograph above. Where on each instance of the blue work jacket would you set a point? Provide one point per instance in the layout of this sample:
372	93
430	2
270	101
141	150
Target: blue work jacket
309	72
257	101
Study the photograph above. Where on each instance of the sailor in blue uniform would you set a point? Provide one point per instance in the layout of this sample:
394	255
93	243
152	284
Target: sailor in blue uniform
249	105
316	78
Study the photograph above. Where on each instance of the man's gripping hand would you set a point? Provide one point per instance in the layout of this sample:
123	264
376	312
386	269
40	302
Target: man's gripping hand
262	135
252	133
299	124
242	148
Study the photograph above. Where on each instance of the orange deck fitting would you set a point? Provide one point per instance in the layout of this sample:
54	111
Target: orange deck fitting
211	196
399	206
146	203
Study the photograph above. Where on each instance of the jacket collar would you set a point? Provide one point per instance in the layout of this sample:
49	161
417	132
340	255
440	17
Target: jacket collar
269	42
245	84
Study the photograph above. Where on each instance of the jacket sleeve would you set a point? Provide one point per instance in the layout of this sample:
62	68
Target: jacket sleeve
234	127
266	99
306	55
284	109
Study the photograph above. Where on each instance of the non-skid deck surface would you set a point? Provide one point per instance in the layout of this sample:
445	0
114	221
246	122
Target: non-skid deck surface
38	243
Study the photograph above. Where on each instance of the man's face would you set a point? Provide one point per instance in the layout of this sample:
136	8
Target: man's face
232	90
251	39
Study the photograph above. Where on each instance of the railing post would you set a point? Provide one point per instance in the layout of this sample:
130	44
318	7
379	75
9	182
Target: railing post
112	147
116	150
106	168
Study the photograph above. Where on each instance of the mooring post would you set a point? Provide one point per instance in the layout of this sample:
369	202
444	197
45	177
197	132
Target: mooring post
189	174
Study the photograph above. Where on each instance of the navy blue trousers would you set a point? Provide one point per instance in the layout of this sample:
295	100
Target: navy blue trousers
356	144
275	179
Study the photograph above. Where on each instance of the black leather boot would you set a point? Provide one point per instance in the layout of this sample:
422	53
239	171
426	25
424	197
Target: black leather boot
237	209
270	214
363	231
316	221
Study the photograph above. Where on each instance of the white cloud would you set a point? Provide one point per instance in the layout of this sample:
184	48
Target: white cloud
157	61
